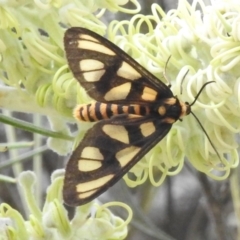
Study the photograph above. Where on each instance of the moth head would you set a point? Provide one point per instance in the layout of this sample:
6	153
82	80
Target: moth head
186	108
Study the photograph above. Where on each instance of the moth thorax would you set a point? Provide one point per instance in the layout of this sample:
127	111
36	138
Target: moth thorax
172	109
186	108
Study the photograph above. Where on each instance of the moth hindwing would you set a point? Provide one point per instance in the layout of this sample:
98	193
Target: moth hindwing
134	110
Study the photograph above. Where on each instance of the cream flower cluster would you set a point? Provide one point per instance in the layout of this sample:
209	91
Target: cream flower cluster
52	221
200	39
203	43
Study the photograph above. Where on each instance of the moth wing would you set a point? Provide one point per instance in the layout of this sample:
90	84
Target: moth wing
108	150
107	73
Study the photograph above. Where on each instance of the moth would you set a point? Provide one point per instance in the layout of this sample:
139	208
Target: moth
133	111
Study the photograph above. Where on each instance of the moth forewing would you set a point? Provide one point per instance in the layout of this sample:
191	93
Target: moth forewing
114	77
107	152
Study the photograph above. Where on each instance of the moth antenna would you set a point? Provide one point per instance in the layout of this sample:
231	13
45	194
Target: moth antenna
210	141
165	70
200	91
183	80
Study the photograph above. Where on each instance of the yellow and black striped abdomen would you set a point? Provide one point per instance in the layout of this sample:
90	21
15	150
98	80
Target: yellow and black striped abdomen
96	111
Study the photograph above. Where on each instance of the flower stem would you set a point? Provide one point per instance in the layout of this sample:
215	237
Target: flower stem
32	128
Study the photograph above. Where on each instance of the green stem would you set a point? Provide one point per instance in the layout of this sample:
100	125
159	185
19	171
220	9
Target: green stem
32	128
23	157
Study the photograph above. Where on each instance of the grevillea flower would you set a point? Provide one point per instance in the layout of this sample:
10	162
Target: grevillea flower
203	46
52	221
203	41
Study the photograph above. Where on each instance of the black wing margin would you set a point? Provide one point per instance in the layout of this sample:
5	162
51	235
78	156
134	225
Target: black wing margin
107	73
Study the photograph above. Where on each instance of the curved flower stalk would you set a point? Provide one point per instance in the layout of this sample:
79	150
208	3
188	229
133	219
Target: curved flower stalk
52	221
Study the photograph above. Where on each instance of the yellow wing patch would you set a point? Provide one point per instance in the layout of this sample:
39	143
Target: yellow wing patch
149	94
126	155
87	165
94	46
147	129
118	93
90	65
88	188
90	159
116	132
128	72
93	76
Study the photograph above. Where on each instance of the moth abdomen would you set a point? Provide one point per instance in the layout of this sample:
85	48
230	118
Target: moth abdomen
97	111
